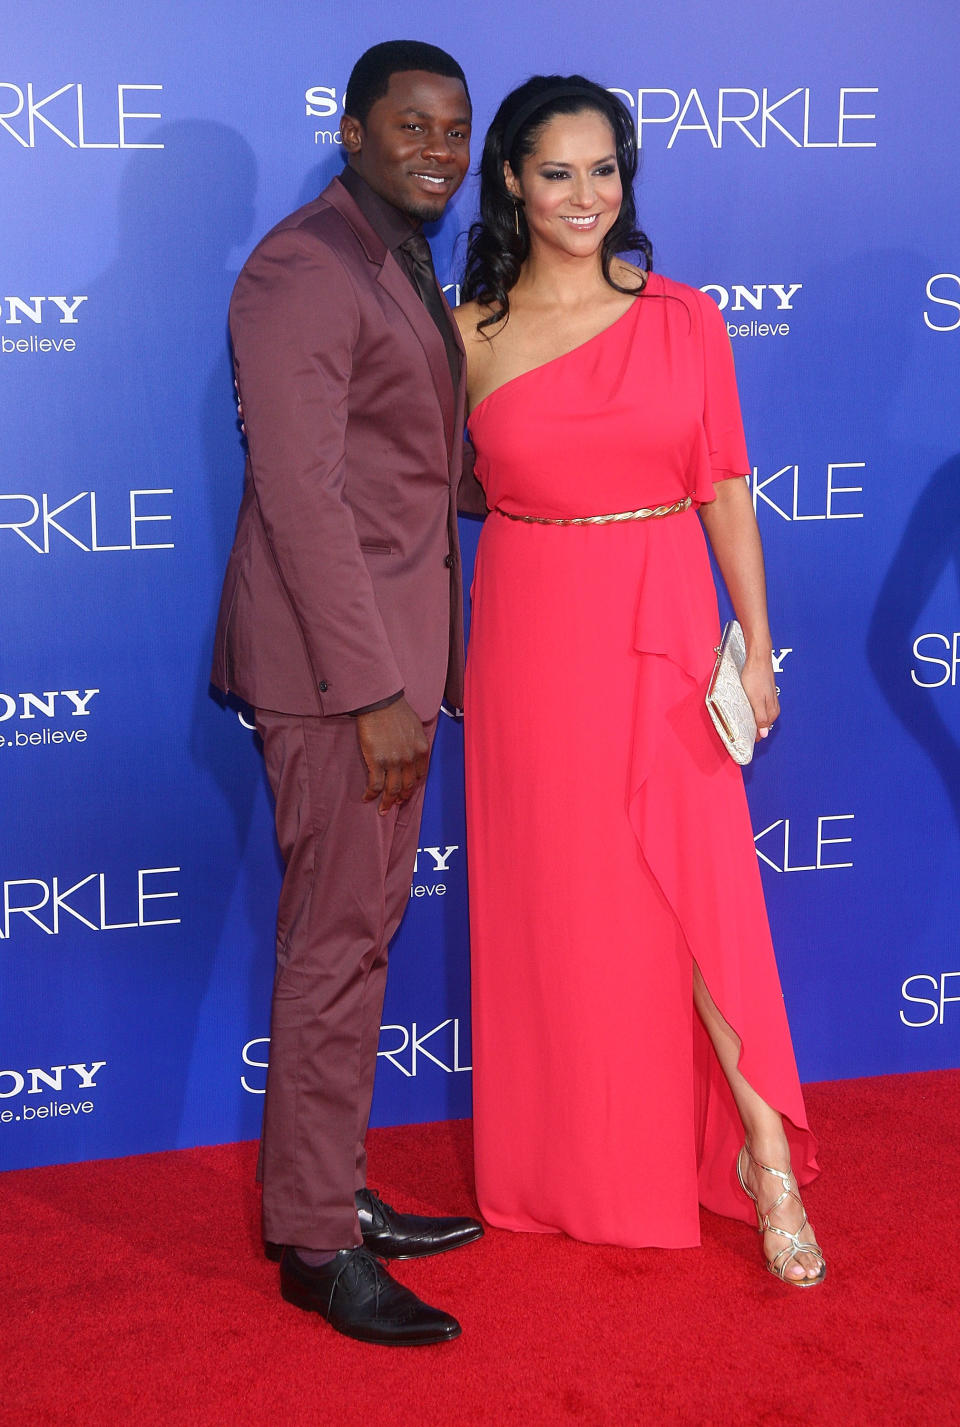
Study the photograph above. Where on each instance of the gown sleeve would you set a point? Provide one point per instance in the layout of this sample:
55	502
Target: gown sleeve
722	422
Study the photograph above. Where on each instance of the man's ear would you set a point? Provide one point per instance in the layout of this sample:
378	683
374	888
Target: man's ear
351	134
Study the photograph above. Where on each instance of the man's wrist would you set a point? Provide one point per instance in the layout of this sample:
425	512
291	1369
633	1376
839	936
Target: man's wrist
380	704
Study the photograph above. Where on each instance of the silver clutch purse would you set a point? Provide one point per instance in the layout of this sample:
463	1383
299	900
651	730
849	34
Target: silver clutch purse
727	703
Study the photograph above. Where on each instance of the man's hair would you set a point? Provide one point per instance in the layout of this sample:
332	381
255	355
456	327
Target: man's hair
370	76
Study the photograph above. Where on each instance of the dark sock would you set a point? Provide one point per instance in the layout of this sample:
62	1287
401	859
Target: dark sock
315	1258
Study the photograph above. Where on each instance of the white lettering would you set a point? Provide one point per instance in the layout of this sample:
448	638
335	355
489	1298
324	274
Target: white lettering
12	114
27	910
822	842
59	902
136	520
86	1073
33	113
124	114
441	860
80	709
785	294
41	511
919	1001
642	116
34	107
82	141
738	120
321	102
391	1055
144	897
953	278
831	490
949	666
752	295
67	308
704	123
937	1003
768	118
54	1079
31	307
43	702
844	118
415	1043
18	1083
260	1064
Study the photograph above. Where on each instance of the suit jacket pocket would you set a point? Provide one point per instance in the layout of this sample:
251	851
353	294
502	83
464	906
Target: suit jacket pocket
376	547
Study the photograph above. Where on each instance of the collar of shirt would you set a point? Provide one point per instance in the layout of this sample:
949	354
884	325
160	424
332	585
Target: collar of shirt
390	225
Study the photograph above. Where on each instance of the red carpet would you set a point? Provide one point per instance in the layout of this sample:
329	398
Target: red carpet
136	1294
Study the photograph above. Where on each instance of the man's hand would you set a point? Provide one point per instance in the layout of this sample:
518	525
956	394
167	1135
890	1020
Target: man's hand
396	751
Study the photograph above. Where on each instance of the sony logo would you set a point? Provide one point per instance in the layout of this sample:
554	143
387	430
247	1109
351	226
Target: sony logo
752	296
46	704
17	308
322	102
52	1078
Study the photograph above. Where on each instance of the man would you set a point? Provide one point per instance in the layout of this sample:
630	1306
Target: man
341	623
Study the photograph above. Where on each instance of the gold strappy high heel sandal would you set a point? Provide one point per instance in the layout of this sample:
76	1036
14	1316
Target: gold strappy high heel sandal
794	1245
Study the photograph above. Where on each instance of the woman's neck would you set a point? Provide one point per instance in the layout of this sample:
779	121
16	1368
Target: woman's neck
561	279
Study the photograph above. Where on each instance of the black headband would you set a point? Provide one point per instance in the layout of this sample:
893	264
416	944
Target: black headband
546	96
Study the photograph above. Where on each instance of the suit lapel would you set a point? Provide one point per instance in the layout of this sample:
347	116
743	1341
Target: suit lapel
395	282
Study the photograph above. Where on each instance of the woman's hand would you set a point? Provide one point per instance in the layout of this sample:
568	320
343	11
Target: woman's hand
760	688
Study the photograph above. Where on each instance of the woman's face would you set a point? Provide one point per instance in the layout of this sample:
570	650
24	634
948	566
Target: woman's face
570	184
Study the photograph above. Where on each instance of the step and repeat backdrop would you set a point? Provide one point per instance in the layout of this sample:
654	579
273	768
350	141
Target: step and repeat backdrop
798	167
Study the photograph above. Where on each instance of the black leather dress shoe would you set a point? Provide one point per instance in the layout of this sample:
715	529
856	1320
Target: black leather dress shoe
409	1236
358	1297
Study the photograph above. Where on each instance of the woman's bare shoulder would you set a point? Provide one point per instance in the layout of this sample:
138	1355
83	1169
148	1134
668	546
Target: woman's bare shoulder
466	316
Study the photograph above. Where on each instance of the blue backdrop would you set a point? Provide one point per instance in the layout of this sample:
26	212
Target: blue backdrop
794	167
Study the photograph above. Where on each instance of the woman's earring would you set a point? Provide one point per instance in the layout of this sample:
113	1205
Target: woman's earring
516	216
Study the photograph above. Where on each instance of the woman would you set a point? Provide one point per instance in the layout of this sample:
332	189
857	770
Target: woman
629	1030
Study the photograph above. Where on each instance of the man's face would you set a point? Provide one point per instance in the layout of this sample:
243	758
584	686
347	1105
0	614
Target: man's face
414	149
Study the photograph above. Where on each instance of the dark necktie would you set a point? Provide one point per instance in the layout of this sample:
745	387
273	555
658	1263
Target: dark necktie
419	264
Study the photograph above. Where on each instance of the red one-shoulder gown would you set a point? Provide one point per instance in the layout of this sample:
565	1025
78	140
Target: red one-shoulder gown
609	839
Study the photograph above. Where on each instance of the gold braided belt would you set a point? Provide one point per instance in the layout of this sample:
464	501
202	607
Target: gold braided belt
655	512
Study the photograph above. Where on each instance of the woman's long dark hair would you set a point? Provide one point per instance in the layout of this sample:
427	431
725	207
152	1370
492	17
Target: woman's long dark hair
495	250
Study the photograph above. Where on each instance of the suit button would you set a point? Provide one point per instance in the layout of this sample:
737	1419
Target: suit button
448	561
323	686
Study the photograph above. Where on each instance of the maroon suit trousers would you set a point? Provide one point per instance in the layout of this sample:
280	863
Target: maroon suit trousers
345	889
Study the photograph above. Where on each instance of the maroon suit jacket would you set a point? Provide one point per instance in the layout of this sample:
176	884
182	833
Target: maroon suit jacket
344	583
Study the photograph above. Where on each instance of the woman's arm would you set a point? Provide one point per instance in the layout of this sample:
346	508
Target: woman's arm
731	527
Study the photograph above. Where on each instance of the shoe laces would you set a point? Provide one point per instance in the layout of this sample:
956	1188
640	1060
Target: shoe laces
364	1265
378	1205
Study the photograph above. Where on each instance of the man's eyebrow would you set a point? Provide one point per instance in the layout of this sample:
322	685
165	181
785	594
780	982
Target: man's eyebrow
422	114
